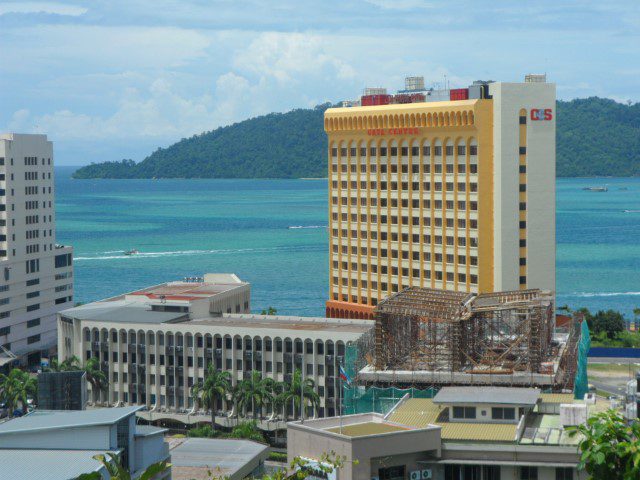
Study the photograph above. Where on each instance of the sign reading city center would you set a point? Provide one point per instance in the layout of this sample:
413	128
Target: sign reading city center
393	131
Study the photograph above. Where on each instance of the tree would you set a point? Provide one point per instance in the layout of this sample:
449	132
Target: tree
296	389
16	388
216	384
118	472
269	311
609	447
254	392
96	377
609	321
68	365
302	469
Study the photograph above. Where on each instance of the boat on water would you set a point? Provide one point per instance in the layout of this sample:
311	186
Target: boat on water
131	252
596	189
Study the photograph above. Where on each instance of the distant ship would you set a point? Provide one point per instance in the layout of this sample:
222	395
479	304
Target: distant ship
596	189
131	252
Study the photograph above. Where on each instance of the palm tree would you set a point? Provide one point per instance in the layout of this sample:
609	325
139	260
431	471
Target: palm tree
70	364
15	388
96	377
118	472
254	392
295	390
636	314
216	384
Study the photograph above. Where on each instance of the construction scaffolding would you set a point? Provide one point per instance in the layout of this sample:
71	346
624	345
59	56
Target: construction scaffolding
429	337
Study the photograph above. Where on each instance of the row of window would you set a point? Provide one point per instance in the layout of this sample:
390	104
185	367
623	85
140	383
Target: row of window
426	274
415	169
437	240
404	237
30	161
404	151
438	258
426	186
33	323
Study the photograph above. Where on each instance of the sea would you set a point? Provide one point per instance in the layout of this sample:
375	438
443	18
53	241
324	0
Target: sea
272	233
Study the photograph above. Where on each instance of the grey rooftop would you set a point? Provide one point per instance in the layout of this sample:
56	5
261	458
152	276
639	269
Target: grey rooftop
222	457
122	311
51	420
487	395
47	464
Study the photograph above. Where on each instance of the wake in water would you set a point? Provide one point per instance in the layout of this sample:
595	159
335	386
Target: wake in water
104	256
603	294
296	227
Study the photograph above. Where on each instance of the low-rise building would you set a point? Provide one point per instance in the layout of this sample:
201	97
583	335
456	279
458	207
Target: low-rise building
154	347
463	433
57	445
231	459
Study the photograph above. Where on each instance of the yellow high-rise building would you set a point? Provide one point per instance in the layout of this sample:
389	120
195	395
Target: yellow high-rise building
456	195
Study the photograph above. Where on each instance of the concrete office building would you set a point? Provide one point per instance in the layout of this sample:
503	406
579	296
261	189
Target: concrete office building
463	433
156	343
454	193
57	445
36	274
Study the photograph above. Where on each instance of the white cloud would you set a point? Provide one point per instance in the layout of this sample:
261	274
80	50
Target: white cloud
287	56
42	7
400	4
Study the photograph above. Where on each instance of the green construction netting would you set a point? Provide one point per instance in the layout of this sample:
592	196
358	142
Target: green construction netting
358	399
581	385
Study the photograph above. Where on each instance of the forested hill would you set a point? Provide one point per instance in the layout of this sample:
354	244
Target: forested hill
595	137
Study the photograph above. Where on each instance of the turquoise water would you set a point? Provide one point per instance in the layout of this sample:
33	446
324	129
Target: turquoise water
189	227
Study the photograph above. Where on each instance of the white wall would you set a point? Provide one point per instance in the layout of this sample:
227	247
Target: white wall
508	99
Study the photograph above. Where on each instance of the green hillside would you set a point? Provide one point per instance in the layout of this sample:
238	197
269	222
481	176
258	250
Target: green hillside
595	137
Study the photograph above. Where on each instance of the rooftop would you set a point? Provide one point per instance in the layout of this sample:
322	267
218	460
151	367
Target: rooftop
50	419
421	412
122	311
213	284
47	464
367	428
281	322
487	395
194	457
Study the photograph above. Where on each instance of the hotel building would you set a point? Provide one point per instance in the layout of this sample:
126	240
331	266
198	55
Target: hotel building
156	343
36	274
452	190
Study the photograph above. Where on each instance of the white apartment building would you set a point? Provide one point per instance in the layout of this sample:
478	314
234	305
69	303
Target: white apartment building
36	274
154	349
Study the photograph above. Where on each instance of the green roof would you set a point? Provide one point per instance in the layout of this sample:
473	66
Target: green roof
368	428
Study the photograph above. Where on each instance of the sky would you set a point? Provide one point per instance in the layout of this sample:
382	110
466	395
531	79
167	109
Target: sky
116	79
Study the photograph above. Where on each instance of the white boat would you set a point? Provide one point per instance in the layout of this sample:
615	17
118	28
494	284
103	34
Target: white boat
596	189
131	252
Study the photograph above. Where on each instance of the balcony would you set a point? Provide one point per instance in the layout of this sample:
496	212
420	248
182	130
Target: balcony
95	345
258	356
179	349
288	378
104	346
170	350
210	351
248	355
287	357
131	348
171	390
218	352
170	370
299	357
246	375
142	388
328	359
141	348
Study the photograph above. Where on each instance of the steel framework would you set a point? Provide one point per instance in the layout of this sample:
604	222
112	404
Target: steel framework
421	329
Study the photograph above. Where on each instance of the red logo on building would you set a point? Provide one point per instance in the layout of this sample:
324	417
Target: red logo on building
541	114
